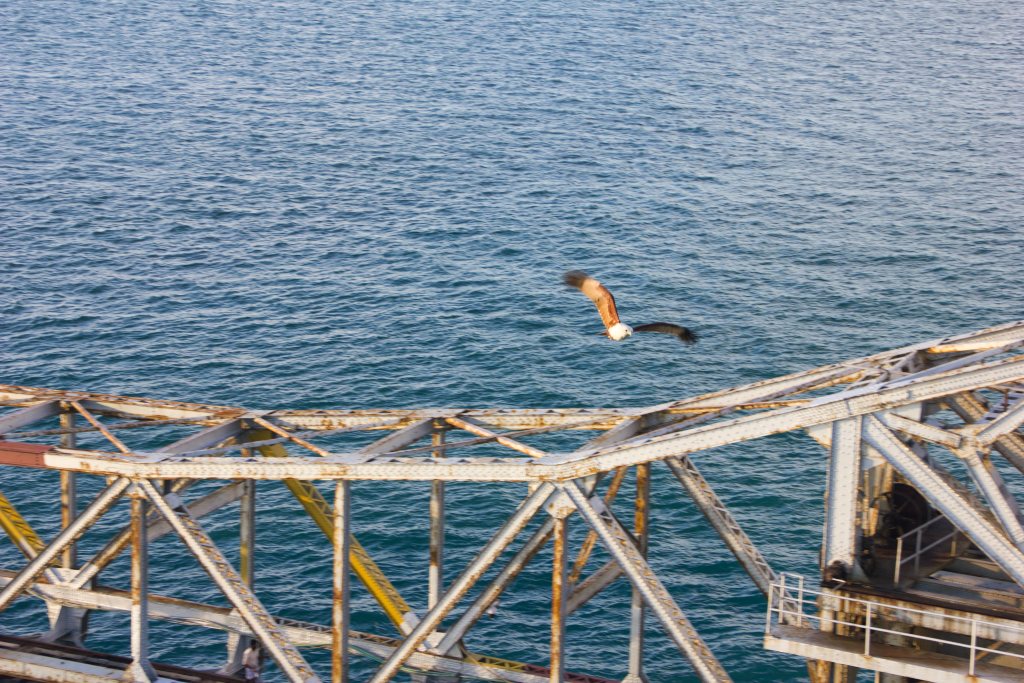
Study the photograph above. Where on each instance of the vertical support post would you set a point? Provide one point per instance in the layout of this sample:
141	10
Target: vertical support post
974	646
867	632
841	538
68	492
559	584
68	624
246	555
140	669
237	643
841	497
435	577
342	582
247	532
640	531
800	601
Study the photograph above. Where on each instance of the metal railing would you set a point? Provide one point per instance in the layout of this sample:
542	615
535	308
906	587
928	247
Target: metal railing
789	599
918	537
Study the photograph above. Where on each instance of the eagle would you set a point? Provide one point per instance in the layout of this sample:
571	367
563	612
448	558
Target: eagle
614	328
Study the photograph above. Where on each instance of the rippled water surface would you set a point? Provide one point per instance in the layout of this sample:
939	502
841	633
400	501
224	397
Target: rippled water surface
309	204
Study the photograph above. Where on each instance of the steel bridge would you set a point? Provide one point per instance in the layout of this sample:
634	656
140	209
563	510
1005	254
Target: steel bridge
922	559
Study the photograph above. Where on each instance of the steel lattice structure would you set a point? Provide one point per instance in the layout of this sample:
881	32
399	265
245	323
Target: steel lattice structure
871	411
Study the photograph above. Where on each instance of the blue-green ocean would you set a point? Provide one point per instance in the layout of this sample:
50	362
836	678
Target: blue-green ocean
304	204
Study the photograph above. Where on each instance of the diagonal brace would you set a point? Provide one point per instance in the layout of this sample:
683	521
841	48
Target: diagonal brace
103	502
621	546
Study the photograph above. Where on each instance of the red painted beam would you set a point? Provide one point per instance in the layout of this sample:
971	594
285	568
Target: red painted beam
23	454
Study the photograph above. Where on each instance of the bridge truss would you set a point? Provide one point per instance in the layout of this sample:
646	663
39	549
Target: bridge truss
873	411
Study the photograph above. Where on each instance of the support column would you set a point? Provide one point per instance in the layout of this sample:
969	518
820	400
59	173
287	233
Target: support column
437	521
247	532
559	584
67	624
342	583
68	492
841	497
140	669
640	531
237	643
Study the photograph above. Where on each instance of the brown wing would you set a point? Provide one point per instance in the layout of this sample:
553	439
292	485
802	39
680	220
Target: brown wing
597	293
683	334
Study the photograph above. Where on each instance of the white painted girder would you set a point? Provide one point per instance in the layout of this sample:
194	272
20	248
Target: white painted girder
37	667
559	466
723	522
825	409
100	504
158	527
841	494
1005	424
484	559
396	440
921	430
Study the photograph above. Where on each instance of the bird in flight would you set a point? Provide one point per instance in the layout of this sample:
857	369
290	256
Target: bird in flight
613	327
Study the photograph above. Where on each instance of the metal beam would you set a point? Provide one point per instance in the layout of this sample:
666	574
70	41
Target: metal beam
1005	424
435	572
921	430
395	441
158	527
503	580
473	428
841	495
305	634
140	670
641	508
26	416
971	409
585	590
211	436
340	610
559	590
387	596
99	425
21	533
825	409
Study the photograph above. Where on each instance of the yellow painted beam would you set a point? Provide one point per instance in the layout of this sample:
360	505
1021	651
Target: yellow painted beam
20	532
362	564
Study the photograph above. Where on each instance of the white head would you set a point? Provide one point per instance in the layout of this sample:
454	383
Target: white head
619	331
